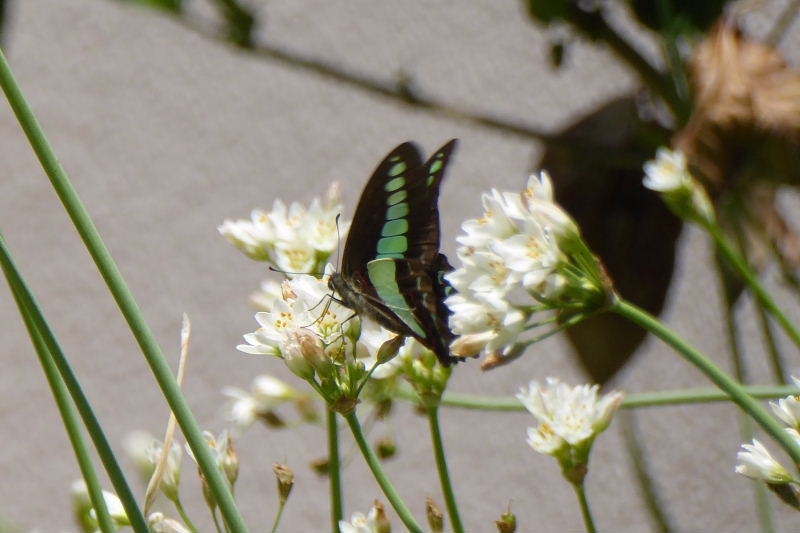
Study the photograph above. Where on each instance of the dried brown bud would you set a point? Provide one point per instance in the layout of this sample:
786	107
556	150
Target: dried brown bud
382	524
434	514
285	478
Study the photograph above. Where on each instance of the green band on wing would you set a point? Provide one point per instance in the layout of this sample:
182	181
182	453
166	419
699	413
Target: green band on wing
397	169
392	245
383	275
394	184
397	197
395	227
436	166
397	211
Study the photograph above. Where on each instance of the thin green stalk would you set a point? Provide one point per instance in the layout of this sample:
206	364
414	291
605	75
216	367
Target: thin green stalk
184	516
631	401
70	419
775	358
734	389
123	296
334	471
441	466
585	510
745	424
90	421
278	516
744	270
380	476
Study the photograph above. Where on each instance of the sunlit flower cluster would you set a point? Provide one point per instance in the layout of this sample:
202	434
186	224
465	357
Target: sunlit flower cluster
755	460
522	240
669	175
569	417
321	341
294	238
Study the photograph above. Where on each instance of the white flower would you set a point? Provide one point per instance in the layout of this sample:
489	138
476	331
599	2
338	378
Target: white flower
161	524
82	505
788	409
265	296
223	454
571	415
669	174
757	463
375	522
171	476
266	394
294	238
488	317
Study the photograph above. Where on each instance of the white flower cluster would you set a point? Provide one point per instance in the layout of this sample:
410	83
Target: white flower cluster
317	336
669	175
374	522
522	240
569	417
756	462
266	394
294	238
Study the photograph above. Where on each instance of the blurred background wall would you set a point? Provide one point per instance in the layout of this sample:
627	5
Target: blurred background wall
166	132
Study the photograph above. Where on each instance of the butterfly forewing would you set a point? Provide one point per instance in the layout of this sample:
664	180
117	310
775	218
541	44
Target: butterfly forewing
392	269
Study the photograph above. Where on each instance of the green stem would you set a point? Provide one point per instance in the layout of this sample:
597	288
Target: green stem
380	476
278	516
123	296
776	361
441	466
334	471
30	309
647	486
734	389
631	401
70	419
184	516
743	269
585	510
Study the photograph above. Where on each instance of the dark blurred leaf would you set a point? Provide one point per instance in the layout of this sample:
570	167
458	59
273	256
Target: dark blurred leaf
172	6
680	16
557	51
547	11
240	22
596	165
3	20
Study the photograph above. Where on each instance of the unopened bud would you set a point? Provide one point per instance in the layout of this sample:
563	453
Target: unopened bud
321	466
313	351
470	345
435	516
230	461
507	522
385	448
287	292
159	523
389	349
285	478
382	524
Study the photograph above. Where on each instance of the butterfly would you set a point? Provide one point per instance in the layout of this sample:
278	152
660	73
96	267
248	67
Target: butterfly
392	271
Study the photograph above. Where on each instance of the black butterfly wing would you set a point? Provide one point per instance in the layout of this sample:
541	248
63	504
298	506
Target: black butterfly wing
397	213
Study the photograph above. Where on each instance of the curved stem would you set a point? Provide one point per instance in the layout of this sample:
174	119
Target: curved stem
184	516
585	510
122	295
743	269
380	476
281	505
334	471
441	466
733	388
631	401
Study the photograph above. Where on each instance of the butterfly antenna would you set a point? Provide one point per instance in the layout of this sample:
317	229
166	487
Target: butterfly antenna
315	274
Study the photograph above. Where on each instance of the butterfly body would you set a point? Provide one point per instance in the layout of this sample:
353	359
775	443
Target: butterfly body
392	271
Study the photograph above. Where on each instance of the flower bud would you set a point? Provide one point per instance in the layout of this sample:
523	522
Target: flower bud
385	448
507	522
434	514
470	345
285	478
389	349
382	524
159	523
229	460
313	351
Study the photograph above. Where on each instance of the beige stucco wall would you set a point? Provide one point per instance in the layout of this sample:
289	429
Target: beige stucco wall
165	134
